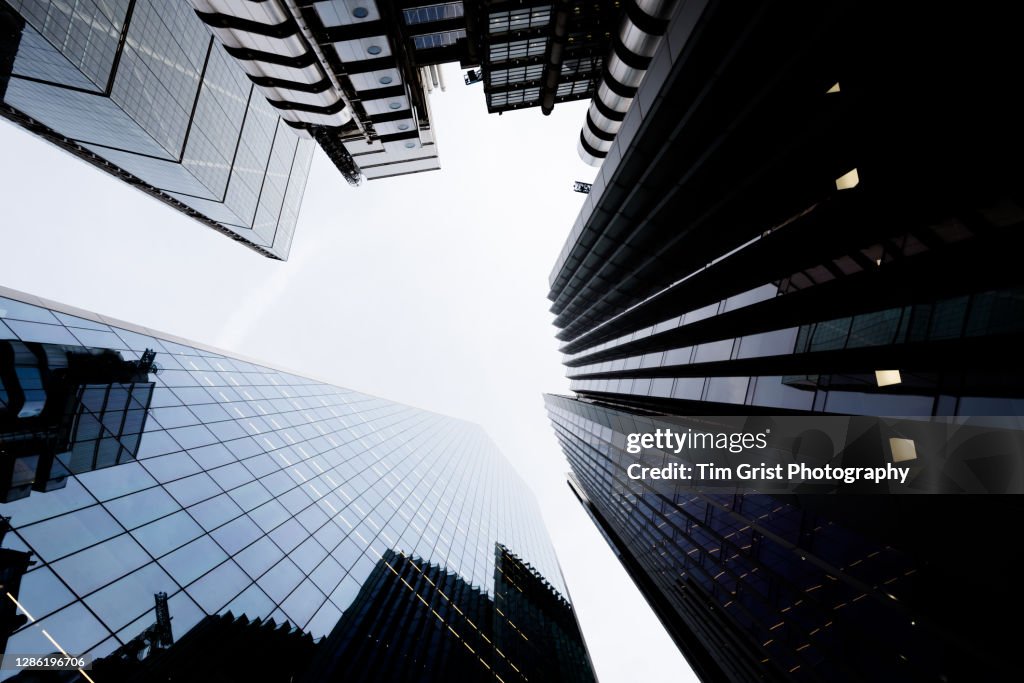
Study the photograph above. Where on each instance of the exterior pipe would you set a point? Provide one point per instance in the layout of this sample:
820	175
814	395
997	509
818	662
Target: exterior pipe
643	26
553	69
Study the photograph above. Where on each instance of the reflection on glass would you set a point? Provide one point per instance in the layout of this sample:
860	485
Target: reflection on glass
67	410
251	491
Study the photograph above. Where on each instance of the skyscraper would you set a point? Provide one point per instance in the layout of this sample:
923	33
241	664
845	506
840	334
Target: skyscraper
274	497
800	585
806	209
139	89
340	72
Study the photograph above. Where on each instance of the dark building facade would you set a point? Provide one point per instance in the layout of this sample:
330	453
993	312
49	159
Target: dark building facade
255	492
794	218
139	89
807	209
539	54
804	587
521	630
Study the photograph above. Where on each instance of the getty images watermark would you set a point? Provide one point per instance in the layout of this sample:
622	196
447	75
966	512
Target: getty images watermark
676	442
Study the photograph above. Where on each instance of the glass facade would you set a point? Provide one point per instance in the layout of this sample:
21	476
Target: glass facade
799	587
757	267
140	89
781	231
539	54
253	491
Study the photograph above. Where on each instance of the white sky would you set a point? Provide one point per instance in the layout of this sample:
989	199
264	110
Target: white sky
428	289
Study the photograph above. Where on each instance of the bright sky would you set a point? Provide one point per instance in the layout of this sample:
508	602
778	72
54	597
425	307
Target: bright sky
428	289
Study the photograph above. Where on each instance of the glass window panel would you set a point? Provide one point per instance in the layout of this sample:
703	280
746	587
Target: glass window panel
74	628
176	378
38	332
295	500
70	533
231	476
193	396
185	612
345	593
212	412
156	443
34	508
193	489
237	534
312	518
176	416
253	603
347	552
74	321
303	603
324	620
192	437
165	534
277	483
117	481
269	515
308	555
41	592
213	512
714	351
130	597
259	557
260	465
142	507
330	535
98	339
97	566
214	590
281	580
689	388
770	391
327	575
163	397
17	310
250	496
227	430
211	456
188	563
288	535
167	468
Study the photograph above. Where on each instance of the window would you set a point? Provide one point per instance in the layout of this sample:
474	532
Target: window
441	39
519	74
517	49
517	20
514	97
428	13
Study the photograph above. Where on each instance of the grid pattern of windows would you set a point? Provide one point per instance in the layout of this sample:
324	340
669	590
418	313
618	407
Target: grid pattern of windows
256	491
791	573
429	13
581	65
519	19
574	88
439	39
517	49
518	74
181	116
513	97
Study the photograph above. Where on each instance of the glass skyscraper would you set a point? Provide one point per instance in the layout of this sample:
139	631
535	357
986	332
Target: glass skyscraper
261	493
813	212
140	89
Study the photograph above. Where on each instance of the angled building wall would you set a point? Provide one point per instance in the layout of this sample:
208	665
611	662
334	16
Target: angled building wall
139	89
254	491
